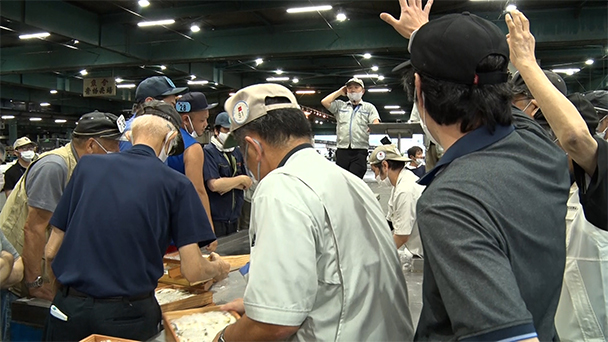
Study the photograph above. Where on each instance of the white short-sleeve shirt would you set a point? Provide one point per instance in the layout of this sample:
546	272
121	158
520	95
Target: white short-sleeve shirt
322	256
402	209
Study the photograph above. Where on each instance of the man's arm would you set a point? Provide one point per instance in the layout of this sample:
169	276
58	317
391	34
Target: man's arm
400	239
16	274
195	267
7	193
246	329
404	214
225	184
6	266
50	251
564	119
34	240
329	99
194	158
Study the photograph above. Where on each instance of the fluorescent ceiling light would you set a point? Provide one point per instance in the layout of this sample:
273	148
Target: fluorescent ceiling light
70	46
53	91
511	7
193	77
381	78
44	104
84	72
309	9
392	107
320	122
156	23
366	76
202	82
126	86
34	35
589	61
567	71
277	79
6	28
367	55
379	90
231	94
35	119
306	92
295	80
144	3
375	68
162	67
118	79
195	28
61	120
76	41
397	112
259	61
341	17
278	72
7	117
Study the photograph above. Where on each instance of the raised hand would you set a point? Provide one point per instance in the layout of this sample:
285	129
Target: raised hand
412	17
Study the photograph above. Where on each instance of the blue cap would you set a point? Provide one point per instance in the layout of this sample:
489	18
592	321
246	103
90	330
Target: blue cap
156	86
193	102
222	119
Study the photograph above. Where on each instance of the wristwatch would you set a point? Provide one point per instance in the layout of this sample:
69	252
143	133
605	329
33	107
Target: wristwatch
221	337
36	283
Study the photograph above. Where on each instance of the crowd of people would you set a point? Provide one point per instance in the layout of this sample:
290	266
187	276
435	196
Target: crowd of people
511	221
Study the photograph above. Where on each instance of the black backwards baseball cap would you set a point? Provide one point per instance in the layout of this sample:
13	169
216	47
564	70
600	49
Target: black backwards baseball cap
156	86
98	124
586	109
520	87
167	112
193	102
450	48
599	99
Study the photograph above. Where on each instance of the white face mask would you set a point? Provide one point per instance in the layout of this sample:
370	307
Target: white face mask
103	148
383	183
255	179
164	152
222	137
193	133
420	161
355	97
27	156
423	118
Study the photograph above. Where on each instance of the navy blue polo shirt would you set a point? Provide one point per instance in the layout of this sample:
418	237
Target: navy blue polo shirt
119	212
177	162
226	207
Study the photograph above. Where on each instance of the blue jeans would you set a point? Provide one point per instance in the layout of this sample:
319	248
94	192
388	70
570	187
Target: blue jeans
6	299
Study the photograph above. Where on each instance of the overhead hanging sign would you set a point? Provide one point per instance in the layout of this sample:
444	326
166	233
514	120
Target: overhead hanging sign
99	87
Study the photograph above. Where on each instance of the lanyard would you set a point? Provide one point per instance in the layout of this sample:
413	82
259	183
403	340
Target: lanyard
231	162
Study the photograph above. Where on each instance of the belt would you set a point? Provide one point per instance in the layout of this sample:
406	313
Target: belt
70	291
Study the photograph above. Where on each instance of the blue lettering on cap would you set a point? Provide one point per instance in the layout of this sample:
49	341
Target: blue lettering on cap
183	107
169	81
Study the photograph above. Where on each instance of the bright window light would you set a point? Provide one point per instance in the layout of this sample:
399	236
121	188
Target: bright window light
53	91
61	120
277	79
366	76
397	112
379	90
341	16
156	23
367	55
309	9
126	86
306	92
195	28
34	35
144	3
202	82
35	119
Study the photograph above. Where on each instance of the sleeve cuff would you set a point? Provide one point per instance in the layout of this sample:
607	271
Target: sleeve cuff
275	316
509	334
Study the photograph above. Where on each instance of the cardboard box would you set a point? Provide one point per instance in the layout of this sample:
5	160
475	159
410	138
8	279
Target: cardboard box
170	334
201	298
103	338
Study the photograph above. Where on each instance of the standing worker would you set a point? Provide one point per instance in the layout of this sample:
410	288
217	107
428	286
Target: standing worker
25	151
225	179
352	130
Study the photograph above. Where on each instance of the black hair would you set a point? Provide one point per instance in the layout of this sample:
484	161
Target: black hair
413	150
395	165
278	125
472	106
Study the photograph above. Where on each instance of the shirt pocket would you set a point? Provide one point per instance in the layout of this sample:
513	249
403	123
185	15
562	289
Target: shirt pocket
225	170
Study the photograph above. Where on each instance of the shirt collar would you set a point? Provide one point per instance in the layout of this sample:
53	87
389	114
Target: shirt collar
75	153
141	149
291	153
469	143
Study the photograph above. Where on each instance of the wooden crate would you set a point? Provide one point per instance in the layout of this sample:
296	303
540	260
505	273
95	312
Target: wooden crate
103	338
235	261
201	298
170	334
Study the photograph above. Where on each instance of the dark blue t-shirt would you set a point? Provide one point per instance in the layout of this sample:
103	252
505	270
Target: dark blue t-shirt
218	164
177	162
119	212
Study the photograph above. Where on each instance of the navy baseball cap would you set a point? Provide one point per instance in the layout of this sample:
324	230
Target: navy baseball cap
156	86
222	119
450	48
193	102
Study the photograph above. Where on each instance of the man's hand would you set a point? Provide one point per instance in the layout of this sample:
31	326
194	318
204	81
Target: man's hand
343	90
412	17
46	291
521	41
211	247
245	181
236	305
223	266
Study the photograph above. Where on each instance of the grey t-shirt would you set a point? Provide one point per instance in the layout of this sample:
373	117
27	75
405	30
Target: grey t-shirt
45	182
5	245
492	224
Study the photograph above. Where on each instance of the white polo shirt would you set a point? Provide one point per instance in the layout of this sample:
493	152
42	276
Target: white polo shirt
402	209
322	256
